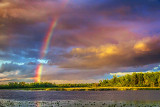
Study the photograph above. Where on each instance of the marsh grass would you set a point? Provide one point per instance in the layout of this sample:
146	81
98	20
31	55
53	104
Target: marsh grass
75	103
90	88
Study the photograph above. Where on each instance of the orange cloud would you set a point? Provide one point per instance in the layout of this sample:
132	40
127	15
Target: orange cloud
141	46
4	4
130	53
101	51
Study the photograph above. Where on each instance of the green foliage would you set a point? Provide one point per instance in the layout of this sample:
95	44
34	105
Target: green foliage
149	79
14	85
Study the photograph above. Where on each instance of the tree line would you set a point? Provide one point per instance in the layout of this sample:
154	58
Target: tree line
12	85
149	79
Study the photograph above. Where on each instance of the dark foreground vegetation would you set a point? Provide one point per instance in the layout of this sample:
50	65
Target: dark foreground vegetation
75	103
136	81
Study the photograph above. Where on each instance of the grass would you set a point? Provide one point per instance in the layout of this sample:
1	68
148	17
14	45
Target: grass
89	88
76	103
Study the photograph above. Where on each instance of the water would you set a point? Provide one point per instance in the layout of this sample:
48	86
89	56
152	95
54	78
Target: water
71	98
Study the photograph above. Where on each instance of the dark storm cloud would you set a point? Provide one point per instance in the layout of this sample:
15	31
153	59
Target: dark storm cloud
25	70
12	67
89	34
24	23
95	23
121	9
76	20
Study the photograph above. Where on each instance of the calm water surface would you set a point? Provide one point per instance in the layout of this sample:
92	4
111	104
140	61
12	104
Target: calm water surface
140	95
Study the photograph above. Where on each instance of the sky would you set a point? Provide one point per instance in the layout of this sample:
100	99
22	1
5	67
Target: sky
91	40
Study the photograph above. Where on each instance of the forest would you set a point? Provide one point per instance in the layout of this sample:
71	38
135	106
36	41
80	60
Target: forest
149	79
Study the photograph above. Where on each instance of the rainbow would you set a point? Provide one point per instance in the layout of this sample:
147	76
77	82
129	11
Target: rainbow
48	37
44	48
45	45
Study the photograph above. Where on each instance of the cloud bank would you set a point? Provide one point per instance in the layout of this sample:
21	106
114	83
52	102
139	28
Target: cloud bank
95	37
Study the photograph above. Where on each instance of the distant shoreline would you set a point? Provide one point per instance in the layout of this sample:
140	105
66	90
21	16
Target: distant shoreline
87	88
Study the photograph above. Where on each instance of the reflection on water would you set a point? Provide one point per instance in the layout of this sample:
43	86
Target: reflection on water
12	98
141	95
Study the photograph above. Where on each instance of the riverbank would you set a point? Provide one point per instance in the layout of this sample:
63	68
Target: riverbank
87	88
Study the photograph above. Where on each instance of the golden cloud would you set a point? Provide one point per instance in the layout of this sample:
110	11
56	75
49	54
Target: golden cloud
141	46
102	51
4	4
131	53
